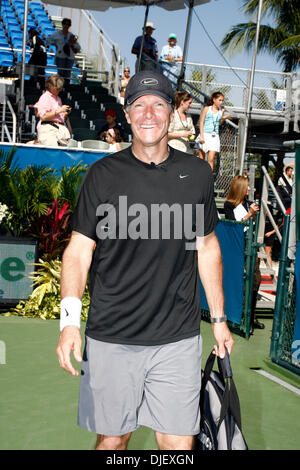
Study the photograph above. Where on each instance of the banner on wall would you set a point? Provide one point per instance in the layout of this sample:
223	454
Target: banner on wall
296	337
232	242
53	157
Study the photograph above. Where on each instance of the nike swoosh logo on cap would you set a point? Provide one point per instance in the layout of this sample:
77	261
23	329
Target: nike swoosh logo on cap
183	176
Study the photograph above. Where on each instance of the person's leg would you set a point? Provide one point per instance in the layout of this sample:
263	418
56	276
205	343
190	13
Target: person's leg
60	64
63	135
47	135
268	250
211	158
201	154
172	442
112	442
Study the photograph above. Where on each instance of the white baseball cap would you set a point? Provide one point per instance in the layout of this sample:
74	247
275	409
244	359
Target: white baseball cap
149	25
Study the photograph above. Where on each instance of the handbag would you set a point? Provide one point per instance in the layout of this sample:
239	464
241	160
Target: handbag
220	422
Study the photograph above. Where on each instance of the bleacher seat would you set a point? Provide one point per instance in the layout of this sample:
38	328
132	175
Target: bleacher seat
73	143
99	123
106	99
6	58
78	122
76	113
91	114
32	99
84	134
88	104
95	144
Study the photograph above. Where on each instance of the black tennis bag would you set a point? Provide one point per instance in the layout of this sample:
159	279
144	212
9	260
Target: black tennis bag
220	423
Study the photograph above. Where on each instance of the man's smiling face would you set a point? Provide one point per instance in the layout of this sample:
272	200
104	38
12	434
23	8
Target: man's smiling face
149	117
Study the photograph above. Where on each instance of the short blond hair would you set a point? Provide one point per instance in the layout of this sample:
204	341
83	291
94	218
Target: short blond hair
54	81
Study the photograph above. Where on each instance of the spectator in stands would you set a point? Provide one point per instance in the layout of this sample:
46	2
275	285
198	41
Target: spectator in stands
285	186
124	83
54	126
66	47
171	55
150	50
237	207
212	117
181	127
113	138
38	58
110	116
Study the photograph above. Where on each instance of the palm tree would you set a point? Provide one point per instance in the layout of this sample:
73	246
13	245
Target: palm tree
280	40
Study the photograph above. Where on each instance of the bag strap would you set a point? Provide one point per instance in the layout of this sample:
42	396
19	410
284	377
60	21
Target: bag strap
230	397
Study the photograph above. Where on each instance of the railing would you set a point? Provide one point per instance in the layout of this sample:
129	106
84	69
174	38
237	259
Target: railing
8	116
271	91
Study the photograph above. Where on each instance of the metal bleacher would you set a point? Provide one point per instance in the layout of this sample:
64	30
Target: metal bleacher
11	30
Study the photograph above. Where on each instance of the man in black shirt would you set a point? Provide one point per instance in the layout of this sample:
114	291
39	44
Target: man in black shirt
143	223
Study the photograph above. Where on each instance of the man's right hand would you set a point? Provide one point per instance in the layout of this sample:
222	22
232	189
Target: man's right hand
69	340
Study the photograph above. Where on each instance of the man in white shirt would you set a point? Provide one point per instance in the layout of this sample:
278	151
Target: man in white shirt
66	47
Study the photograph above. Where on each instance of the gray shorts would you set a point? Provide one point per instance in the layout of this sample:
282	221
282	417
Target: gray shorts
124	387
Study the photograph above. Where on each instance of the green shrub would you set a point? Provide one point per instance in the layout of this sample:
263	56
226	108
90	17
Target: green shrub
45	299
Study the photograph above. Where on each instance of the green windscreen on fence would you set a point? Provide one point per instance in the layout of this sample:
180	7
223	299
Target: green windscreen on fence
232	242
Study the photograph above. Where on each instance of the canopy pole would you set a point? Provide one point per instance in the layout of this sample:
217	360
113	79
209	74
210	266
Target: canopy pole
22	77
186	41
143	38
249	104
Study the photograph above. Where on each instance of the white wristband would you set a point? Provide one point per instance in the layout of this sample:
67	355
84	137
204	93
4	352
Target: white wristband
70	312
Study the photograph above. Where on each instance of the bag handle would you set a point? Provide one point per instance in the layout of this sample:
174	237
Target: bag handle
230	397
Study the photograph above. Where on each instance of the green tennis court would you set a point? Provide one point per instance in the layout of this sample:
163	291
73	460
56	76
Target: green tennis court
39	400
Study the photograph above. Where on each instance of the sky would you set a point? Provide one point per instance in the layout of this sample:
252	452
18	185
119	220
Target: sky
123	24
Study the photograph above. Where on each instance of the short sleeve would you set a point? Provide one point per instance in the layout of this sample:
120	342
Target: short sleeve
163	53
84	219
211	217
45	105
137	43
179	52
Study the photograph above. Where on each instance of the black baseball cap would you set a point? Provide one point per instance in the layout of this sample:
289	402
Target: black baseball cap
148	82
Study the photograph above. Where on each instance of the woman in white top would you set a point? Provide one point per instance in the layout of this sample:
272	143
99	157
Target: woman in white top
211	118
181	128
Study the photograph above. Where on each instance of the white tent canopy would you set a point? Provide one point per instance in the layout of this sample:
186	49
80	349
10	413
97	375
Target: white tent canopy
103	5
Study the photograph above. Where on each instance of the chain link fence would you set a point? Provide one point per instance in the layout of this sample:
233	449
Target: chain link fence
285	309
283	332
226	160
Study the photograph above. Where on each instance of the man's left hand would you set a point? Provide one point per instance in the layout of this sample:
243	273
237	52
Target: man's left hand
223	337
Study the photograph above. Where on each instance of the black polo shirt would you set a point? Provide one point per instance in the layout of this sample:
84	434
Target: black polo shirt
143	280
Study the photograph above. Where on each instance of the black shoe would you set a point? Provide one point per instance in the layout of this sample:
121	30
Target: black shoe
257	324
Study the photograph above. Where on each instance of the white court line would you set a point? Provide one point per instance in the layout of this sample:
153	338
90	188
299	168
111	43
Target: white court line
278	381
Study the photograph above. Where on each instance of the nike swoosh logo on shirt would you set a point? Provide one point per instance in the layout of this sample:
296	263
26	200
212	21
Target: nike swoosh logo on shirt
183	176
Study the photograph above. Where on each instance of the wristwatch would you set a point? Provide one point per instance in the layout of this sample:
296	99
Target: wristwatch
218	319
